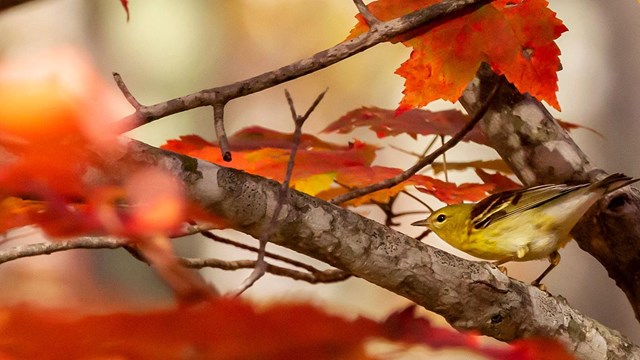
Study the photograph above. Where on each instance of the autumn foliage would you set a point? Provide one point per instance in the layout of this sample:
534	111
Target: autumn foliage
64	168
230	329
516	38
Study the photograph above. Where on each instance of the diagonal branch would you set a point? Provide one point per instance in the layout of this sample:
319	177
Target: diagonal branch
218	97
470	295
420	164
384	32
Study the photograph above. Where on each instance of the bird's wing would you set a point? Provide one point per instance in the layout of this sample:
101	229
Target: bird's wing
501	205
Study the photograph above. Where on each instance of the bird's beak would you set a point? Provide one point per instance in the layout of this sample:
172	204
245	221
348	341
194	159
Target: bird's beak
420	223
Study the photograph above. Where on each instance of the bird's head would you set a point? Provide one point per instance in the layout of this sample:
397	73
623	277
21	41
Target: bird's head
449	223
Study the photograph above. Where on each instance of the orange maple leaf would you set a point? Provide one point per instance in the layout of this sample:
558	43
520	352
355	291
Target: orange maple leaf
515	37
358	177
266	152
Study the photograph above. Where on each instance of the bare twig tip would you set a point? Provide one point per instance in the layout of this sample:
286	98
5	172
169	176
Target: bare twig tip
125	91
366	14
227	156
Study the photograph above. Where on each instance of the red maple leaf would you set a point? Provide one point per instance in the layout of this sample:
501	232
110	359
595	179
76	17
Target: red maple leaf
223	328
404	325
413	122
498	180
515	37
450	193
219	329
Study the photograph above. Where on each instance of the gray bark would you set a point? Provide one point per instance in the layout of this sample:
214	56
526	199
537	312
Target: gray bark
470	295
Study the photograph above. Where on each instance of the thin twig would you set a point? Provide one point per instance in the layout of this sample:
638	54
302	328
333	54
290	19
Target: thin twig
46	248
6	238
261	266
423	235
273	256
317	276
417	199
433	142
313	106
206	232
424	152
218	120
425	160
125	91
371	20
407	152
444	161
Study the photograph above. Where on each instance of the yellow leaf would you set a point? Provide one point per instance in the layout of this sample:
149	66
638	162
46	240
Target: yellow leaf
314	184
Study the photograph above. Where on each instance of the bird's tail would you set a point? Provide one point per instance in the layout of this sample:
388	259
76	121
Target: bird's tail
614	182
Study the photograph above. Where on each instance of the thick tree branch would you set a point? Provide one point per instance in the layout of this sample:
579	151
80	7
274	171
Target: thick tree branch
540	151
470	295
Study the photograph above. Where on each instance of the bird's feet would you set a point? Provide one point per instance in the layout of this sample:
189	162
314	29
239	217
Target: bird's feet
503	269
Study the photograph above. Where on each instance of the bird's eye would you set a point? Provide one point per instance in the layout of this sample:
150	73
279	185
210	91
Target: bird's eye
441	218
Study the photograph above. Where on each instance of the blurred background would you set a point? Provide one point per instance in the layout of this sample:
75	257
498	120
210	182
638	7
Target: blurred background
172	48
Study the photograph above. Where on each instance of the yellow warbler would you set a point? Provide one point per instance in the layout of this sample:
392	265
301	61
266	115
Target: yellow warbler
520	225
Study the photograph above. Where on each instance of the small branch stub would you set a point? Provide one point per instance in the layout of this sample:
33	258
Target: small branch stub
223	141
125	91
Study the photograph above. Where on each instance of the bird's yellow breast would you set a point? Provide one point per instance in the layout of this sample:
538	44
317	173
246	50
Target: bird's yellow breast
534	239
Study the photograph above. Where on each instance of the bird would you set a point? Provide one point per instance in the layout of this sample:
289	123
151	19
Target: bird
523	224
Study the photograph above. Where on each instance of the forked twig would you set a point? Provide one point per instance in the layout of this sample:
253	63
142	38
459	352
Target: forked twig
260	265
314	277
273	256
